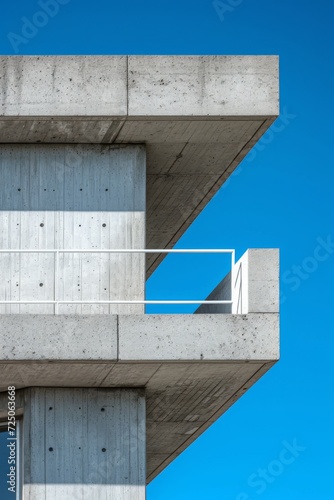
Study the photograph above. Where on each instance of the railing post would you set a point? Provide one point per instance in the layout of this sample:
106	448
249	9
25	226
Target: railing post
232	278
56	281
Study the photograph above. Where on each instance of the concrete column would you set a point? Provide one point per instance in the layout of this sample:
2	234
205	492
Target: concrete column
84	444
72	197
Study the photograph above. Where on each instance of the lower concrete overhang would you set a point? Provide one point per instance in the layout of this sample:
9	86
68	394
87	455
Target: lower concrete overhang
193	367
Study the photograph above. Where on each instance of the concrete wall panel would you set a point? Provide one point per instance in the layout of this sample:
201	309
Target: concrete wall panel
54	197
84	444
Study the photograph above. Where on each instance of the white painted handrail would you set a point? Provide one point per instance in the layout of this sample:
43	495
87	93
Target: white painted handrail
57	253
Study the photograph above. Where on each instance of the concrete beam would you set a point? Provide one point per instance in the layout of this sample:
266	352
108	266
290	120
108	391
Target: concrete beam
146	338
202	86
189	337
73	86
121	86
58	338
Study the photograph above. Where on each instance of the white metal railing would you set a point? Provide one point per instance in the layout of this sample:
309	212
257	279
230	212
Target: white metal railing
57	253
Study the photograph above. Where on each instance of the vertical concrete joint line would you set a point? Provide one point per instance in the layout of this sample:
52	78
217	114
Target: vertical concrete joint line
45	427
117	327
127	87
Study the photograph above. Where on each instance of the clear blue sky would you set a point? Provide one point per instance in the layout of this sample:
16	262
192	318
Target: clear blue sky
280	196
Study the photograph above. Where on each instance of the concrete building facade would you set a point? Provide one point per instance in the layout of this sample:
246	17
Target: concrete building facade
102	158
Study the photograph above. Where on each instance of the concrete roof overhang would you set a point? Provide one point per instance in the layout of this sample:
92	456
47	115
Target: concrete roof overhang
198	116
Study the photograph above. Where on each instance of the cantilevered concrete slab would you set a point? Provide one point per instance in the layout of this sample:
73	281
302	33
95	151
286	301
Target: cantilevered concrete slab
198	116
193	367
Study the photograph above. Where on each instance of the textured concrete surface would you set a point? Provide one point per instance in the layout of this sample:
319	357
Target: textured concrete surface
146	338
189	337
183	400
83	443
63	86
54	198
58	338
198	116
120	86
257	281
201	85
193	367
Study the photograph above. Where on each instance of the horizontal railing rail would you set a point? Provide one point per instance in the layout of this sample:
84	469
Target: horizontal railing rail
58	252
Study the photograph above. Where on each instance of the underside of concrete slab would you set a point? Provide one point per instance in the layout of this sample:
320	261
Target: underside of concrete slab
198	116
193	367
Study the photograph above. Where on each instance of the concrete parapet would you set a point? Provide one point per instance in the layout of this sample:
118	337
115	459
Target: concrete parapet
255	279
